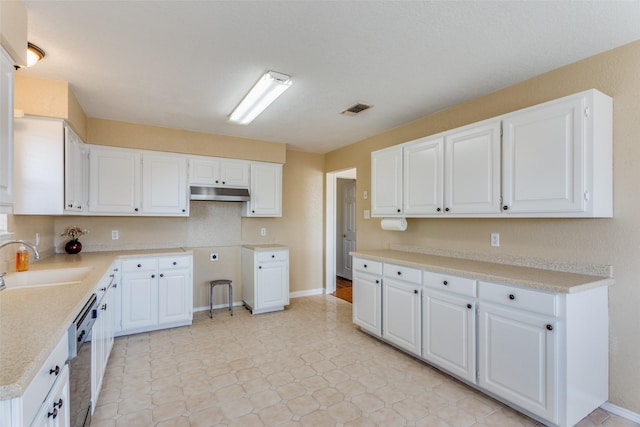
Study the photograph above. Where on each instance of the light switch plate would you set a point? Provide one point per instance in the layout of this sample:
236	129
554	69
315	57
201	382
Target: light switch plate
367	214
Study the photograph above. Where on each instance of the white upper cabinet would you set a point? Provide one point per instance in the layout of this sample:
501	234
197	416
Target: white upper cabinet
472	169
265	191
557	158
386	182
423	176
550	160
164	184
6	131
218	172
114	181
76	172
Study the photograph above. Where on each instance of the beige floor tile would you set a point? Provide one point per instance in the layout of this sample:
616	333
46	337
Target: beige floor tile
306	366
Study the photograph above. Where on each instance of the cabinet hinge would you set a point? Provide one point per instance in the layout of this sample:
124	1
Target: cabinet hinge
501	130
586	111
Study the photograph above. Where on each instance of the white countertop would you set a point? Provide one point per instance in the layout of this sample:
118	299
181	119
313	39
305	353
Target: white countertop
548	280
32	320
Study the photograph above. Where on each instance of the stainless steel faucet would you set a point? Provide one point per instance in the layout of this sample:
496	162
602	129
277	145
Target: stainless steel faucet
17	242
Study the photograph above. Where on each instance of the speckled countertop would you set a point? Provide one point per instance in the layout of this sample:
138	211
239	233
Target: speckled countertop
32	320
537	278
265	247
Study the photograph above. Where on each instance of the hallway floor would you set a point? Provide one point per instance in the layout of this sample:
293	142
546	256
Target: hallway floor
306	366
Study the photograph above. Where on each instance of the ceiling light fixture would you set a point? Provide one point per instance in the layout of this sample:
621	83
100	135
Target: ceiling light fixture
34	54
270	86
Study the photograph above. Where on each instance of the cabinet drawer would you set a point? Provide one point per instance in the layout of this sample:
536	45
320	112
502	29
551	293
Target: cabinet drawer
265	256
373	267
446	282
38	389
174	262
400	272
139	264
525	299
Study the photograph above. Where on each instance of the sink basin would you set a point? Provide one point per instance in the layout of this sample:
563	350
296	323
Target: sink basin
36	278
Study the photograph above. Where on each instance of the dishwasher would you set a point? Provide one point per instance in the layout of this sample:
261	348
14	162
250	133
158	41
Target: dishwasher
80	364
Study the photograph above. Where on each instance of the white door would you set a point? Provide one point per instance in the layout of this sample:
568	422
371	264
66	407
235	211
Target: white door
114	181
174	304
472	169
139	300
204	171
266	190
75	172
234	174
348	228
517	358
543	152
272	285
367	302
449	333
6	131
424	176
164	184
401	315
386	182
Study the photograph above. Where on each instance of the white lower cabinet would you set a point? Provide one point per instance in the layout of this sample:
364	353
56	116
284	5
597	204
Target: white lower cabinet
401	314
367	295
543	353
449	324
54	411
265	278
102	334
156	293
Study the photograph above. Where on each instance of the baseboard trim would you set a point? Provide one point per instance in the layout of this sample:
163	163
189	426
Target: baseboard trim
307	293
621	412
216	306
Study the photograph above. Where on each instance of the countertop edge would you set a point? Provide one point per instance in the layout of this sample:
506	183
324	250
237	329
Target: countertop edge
548	280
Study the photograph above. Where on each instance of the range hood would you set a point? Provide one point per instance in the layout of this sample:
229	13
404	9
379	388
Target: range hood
219	194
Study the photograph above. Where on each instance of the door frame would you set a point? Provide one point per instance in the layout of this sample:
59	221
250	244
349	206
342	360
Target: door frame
330	225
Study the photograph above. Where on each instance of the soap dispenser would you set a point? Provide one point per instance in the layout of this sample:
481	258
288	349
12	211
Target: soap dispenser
22	259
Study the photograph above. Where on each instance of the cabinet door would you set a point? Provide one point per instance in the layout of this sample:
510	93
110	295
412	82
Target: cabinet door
54	411
423	176
6	131
472	169
386	182
164	184
203	171
266	190
139	300
367	302
543	153
174	290
401	315
76	172
234	174
449	333
517	358
114	181
272	285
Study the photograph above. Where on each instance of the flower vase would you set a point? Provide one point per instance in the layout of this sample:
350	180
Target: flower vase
73	247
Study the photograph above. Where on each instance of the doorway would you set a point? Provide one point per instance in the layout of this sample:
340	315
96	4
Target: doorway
340	228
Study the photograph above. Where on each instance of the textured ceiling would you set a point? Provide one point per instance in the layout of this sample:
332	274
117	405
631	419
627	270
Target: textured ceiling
186	64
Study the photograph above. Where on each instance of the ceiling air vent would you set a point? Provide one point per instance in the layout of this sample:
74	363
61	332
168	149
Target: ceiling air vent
355	109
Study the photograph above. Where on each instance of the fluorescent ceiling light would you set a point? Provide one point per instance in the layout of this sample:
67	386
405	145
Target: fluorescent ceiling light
262	94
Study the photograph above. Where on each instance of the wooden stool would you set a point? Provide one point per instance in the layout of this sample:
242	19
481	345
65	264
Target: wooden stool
213	284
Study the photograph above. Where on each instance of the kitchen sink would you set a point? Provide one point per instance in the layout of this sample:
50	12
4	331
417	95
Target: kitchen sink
52	277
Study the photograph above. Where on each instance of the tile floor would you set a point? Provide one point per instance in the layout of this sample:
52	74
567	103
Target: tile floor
305	366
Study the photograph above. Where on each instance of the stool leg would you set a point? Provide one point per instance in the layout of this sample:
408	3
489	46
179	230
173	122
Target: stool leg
211	301
231	298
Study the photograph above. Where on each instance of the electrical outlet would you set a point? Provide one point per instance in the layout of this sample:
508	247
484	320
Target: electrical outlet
213	257
365	194
263	231
367	214
115	235
495	239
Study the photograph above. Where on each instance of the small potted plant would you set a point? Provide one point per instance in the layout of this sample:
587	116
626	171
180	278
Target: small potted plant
73	246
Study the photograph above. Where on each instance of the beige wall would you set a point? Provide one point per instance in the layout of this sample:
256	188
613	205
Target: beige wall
49	98
120	134
605	241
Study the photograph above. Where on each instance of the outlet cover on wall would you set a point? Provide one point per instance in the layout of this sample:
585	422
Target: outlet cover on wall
495	239
115	235
263	231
